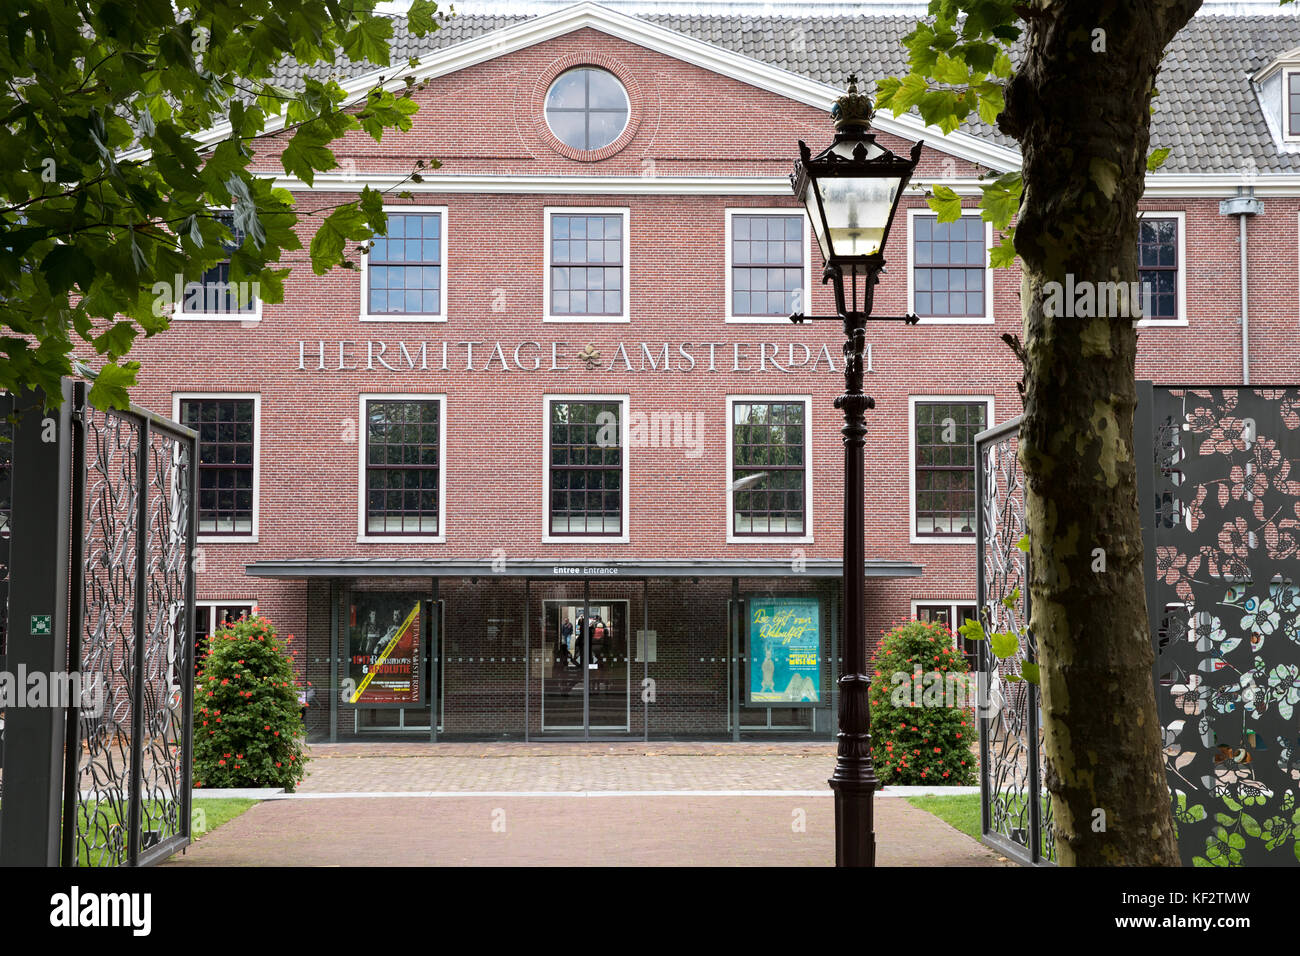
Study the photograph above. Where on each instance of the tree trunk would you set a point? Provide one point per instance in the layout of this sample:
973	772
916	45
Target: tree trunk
1080	108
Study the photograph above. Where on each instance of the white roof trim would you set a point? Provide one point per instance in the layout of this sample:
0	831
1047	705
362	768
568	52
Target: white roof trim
1186	185
670	43
1290	58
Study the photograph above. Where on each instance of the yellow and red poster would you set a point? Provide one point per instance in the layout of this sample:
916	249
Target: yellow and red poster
384	647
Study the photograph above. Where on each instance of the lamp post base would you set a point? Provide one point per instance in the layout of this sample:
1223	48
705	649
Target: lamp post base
855	836
854	781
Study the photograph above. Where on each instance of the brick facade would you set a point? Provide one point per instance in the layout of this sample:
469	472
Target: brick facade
486	120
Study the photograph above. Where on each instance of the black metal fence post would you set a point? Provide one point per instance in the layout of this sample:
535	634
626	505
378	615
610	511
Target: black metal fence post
140	608
38	628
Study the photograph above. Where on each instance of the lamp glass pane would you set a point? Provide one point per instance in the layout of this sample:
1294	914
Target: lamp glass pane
857	212
809	199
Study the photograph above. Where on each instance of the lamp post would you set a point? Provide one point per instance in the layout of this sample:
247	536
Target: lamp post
850	191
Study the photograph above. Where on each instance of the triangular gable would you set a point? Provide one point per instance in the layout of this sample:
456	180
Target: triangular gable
671	43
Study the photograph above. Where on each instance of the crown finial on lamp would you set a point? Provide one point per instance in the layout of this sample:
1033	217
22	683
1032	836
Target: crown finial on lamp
852	112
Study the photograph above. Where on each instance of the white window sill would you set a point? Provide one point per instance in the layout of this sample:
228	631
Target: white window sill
226	539
769	539
956	320
759	319
218	316
401	539
945	539
1160	324
401	317
588	319
583	539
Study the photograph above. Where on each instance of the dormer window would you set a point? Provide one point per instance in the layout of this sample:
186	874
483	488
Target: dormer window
1292	103
1277	88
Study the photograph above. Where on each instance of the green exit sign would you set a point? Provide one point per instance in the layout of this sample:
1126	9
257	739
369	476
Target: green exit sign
42	625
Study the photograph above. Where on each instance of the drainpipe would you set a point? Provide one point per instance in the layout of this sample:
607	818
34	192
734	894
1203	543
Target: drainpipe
1242	205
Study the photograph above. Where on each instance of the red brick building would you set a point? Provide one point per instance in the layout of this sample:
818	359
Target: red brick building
566	379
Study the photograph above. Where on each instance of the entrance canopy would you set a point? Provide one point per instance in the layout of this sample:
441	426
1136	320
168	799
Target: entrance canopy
563	568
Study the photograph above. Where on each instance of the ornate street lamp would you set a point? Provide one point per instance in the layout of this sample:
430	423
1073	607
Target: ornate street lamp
851	191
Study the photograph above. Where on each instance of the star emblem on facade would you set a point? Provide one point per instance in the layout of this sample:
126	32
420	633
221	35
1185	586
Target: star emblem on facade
590	356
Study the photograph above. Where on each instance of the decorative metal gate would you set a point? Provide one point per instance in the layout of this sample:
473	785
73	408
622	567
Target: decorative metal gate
102	528
1016	814
1220	500
1224	600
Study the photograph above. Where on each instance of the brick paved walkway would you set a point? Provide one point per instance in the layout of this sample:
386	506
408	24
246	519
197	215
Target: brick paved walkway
532	767
573	816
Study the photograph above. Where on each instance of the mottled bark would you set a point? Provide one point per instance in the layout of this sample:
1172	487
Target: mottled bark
1082	117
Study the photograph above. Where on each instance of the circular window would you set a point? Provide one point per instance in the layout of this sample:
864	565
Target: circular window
586	108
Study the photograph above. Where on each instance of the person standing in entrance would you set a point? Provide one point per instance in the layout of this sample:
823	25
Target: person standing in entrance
566	634
580	641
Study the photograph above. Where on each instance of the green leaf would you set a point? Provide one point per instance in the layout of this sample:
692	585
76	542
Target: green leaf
1009	602
111	383
368	40
1250	825
909	93
886	89
420	18
1023	543
950	70
344	223
1003	256
65	266
946	203
972	630
1030	671
1157	158
116	340
1001	199
992	103
1004	644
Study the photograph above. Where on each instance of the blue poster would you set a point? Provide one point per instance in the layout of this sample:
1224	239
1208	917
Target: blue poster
784	651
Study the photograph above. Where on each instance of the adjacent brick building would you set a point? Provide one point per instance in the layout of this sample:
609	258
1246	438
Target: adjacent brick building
566	378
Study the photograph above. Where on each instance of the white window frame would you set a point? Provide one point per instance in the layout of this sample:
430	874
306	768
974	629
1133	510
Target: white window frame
805	292
952	605
366	314
210	608
627	104
625	402
547	214
363	537
1181	291
988	317
177	398
807	536
1284	116
912	402
178	311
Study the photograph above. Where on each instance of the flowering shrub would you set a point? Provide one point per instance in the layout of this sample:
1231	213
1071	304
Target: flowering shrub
248	728
918	736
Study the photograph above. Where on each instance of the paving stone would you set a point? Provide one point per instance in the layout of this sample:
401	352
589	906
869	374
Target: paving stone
562	826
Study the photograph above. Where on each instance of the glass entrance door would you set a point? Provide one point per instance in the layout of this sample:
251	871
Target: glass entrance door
584	673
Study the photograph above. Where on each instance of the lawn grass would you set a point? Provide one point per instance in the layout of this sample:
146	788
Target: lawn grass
205	816
960	811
